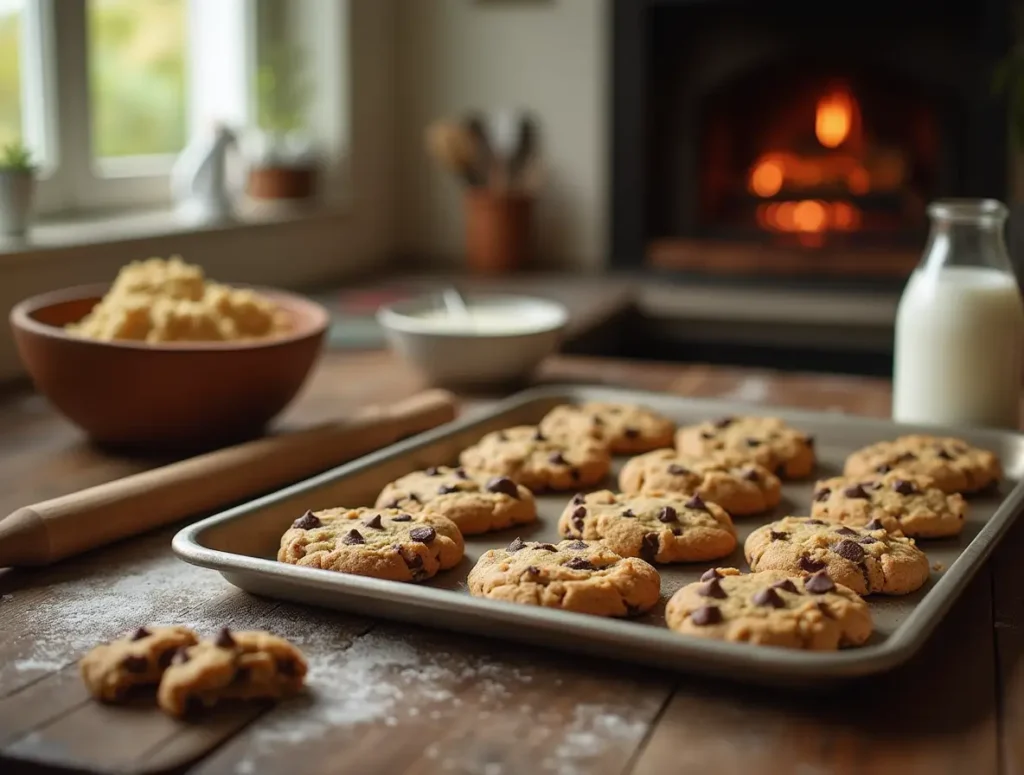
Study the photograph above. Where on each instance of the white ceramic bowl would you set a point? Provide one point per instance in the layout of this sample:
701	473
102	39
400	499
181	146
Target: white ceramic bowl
511	336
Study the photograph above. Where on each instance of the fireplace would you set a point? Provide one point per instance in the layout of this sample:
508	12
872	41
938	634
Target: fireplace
786	139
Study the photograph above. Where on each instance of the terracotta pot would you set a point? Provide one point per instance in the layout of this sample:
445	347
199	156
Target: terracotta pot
178	395
281	182
498	231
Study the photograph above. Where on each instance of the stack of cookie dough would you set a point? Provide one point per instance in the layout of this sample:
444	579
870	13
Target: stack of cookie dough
675	503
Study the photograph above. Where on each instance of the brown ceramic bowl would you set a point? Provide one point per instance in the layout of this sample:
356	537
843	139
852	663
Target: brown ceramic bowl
164	396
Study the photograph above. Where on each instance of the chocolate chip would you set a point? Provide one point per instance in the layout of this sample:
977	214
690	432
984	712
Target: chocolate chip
707	435
140	633
822	495
538	435
813	522
630	433
787	585
575	474
224	639
868	540
875	524
712	588
845	531
751	475
856	491
710	573
578	563
286	666
819	583
809	441
723	422
353	537
578	498
628	513
696	502
667	514
945	455
307	521
649	547
533	570
504	486
677	470
135	664
677	531
810	566
516	545
547	547
752	442
768	597
375	522
558	459
706	615
433	471
164	660
180	656
851	550
461	473
423	535
780	470
578	546
577	517
903	487
413	563
883	469
413	497
445	489
597	421
393	504
781	536
402	518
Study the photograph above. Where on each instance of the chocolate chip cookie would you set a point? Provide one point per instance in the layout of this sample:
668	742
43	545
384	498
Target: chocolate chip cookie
111	670
528	456
954	464
739	486
771	608
867	561
656	526
581	576
383	543
897	501
786	452
626	428
235	665
475	502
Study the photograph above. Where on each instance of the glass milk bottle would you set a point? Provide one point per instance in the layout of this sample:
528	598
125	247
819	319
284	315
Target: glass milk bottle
960	323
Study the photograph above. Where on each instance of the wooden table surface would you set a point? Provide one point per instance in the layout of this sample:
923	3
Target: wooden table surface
389	698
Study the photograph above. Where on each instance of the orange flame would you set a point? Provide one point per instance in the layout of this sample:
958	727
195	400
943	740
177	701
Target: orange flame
833	118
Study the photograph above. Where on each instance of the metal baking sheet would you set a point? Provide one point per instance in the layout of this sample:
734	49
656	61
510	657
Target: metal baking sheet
242	543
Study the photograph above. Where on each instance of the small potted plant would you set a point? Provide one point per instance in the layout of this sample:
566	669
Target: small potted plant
282	157
17	189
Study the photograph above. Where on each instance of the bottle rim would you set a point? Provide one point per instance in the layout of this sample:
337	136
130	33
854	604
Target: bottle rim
962	210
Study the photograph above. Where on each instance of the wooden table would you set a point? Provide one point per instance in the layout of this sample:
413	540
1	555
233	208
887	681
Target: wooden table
388	698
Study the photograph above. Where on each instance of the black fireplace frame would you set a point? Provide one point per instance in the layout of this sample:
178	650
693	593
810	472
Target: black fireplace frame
987	146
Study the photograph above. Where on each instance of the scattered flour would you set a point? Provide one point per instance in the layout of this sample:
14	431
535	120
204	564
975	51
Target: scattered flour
594	729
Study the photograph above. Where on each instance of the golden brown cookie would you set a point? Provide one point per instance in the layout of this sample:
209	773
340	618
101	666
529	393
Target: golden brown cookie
867	561
771	608
528	457
768	441
896	501
235	665
382	543
475	502
657	527
579	576
739	486
111	670
626	428
952	463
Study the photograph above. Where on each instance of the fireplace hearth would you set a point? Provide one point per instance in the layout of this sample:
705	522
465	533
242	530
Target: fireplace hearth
783	139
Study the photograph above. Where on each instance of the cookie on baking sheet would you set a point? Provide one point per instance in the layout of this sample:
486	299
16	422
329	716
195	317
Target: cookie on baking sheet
580	576
865	560
626	428
785	451
111	670
475	502
656	526
897	501
383	543
234	665
954	464
739	486
771	608
529	457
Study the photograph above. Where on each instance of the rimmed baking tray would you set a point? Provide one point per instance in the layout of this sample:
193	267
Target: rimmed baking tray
241	544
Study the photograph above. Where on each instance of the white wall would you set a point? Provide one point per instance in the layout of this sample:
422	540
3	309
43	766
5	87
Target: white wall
550	56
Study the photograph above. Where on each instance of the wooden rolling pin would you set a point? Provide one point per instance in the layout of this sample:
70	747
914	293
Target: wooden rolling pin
74	523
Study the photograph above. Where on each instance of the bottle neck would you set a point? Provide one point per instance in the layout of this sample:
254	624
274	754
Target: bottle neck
977	243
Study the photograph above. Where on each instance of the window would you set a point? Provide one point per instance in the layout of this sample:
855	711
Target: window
107	93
